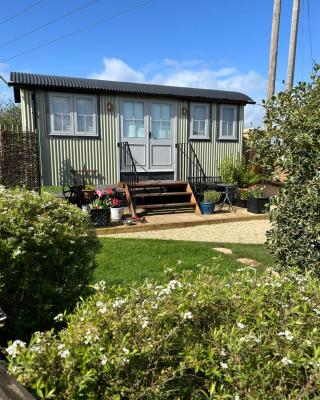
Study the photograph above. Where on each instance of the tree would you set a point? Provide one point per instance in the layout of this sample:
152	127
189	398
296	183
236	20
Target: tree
291	143
10	113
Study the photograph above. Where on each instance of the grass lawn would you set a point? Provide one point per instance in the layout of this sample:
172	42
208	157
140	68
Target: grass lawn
124	261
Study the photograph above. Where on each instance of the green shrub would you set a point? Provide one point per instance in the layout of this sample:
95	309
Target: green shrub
212	196
291	143
46	259
248	336
236	171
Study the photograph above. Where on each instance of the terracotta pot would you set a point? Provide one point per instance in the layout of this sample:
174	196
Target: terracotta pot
88	194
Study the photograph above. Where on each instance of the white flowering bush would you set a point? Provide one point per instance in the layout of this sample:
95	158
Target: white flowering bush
47	250
246	336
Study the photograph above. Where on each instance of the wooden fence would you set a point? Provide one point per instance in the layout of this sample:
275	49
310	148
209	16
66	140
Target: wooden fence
19	159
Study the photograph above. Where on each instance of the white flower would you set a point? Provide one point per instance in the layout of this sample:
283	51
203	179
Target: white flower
240	325
102	308
223	352
224	365
15	348
173	284
187	315
179	262
104	360
64	353
58	317
286	361
287	334
100	286
125	350
236	397
118	303
144	323
316	311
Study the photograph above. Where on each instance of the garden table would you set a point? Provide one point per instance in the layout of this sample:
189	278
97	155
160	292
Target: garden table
227	189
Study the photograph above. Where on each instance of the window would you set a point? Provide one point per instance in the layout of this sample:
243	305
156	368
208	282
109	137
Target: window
73	114
133	119
199	121
228	122
161	121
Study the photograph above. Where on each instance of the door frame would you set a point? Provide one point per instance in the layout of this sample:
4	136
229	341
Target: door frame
147	118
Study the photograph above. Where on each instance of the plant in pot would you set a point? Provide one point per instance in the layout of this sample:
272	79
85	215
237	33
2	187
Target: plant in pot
210	198
115	200
256	203
88	193
242	197
100	208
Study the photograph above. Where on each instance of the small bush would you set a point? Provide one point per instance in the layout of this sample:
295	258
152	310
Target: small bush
46	259
211	195
236	171
248	336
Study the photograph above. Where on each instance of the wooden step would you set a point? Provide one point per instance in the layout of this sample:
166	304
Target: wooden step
144	184
157	194
167	205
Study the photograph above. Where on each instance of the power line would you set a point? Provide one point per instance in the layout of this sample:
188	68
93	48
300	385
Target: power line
48	23
78	30
310	35
21	12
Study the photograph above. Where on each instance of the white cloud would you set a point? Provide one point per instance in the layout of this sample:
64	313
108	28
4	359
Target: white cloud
118	70
192	73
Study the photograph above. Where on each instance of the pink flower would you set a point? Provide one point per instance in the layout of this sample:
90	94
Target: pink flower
100	193
109	191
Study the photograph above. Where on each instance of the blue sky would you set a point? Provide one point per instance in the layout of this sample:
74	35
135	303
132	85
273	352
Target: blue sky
203	43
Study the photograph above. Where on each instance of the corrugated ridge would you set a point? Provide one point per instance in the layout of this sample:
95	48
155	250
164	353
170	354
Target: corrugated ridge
52	81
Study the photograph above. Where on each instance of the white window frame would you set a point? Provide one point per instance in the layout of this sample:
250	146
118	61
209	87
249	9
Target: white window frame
235	122
207	123
73	115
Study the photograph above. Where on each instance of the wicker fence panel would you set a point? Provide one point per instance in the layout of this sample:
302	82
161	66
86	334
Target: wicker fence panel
19	159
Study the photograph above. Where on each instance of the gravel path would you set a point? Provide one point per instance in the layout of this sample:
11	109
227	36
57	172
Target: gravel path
233	232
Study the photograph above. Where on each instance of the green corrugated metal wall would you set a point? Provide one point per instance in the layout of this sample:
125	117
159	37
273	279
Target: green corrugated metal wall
59	154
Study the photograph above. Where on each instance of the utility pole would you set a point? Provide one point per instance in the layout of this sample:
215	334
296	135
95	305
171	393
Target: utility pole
274	47
293	43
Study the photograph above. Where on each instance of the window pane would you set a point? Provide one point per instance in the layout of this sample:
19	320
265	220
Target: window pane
66	125
138	111
202	127
57	122
80	123
140	128
84	106
228	114
200	112
61	104
89	124
127	110
155	112
166	112
156	126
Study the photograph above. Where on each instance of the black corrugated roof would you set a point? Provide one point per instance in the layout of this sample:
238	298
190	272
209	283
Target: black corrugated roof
22	79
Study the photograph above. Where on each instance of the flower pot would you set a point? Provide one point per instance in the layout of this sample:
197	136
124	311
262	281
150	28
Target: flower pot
207	207
116	214
87	194
100	216
241	202
257	205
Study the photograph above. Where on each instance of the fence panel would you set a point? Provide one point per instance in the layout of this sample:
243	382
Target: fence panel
19	159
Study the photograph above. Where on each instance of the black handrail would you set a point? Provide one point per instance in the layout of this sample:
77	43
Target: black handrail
128	169
188	164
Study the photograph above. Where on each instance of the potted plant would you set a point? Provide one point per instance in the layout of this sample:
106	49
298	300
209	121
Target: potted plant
88	193
100	208
115	201
256	202
210	198
242	197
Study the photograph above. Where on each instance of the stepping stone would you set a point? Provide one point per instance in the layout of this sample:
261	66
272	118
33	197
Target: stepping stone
249	262
222	250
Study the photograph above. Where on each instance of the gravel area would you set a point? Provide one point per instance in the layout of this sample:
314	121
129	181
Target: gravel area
232	232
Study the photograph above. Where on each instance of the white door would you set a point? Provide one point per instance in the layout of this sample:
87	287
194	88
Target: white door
133	130
161	141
